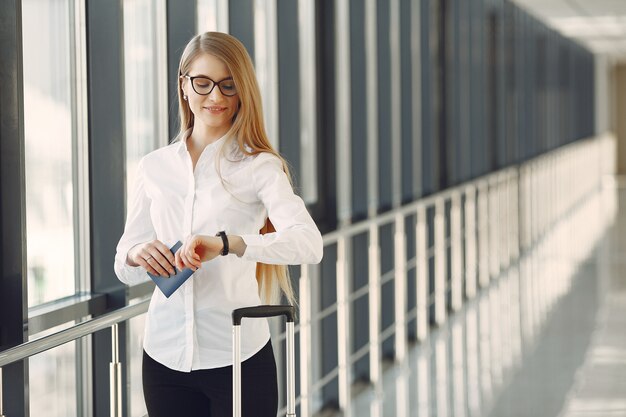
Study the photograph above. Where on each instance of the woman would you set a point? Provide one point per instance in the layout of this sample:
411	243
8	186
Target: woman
213	188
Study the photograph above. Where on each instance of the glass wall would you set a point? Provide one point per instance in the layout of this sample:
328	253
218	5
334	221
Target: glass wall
48	130
53	379
143	86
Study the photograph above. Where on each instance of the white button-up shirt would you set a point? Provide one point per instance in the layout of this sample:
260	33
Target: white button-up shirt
193	328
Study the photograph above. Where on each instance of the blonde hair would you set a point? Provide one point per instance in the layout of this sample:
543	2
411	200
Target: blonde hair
247	127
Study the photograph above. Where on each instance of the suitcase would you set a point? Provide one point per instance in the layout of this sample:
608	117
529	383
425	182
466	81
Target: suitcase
264	311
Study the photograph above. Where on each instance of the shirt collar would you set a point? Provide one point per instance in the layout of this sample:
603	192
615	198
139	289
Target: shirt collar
182	145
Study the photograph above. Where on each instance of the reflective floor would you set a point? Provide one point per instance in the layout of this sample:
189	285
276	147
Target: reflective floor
546	339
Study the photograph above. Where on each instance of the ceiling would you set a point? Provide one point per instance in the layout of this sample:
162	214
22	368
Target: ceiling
599	24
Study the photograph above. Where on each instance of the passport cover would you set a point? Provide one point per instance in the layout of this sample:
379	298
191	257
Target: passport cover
169	285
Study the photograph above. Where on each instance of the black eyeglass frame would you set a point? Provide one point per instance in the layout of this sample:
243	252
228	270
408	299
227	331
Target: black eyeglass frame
215	83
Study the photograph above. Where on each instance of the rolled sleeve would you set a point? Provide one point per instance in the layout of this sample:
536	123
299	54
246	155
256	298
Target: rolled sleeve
297	239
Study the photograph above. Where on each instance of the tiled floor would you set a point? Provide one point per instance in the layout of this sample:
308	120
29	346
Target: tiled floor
547	339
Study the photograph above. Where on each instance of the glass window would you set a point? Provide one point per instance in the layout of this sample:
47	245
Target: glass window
143	88
49	151
207	15
53	380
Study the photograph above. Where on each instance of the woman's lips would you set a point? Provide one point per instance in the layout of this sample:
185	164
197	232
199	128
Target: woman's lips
215	109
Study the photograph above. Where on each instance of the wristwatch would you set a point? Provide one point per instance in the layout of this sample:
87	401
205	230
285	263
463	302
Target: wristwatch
224	250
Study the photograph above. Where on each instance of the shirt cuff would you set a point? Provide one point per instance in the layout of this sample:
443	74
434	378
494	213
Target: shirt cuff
130	275
254	247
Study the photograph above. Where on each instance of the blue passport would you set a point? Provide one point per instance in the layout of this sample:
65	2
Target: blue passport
169	285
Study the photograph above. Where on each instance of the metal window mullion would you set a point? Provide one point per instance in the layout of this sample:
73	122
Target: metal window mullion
494	230
371	79
440	262
306	345
375	357
458	371
514	219
308	88
80	175
472	351
396	102
403	397
266	63
516	330
400	286
222	16
471	252
374	305
423	383
527	205
343	131
343	322
421	279
507	325
316	375
484	349
530	198
505	230
456	252
495	336
115	375
441	371
483	235
80	147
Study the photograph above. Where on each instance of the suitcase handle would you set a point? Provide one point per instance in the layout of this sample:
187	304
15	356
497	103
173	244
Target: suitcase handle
263	311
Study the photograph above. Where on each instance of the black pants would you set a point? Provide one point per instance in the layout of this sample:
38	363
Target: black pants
208	392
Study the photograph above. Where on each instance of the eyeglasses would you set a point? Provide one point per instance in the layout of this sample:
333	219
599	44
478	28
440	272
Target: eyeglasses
204	85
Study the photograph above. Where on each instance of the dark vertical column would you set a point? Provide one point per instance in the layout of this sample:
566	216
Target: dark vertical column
107	163
450	93
427	129
501	137
241	22
289	85
465	70
619	77
358	107
491	110
438	33
385	186
511	76
477	146
13	283
407	104
181	27
326	212
327	218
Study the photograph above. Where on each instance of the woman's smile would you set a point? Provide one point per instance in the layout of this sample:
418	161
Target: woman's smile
215	109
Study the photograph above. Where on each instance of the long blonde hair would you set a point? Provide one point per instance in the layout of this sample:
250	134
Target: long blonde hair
247	127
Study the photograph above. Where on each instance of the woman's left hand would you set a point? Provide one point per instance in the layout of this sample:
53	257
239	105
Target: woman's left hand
197	249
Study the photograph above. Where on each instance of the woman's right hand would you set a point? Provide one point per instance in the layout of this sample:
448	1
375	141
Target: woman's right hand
154	256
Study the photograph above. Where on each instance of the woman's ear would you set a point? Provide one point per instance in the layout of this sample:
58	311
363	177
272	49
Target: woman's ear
184	85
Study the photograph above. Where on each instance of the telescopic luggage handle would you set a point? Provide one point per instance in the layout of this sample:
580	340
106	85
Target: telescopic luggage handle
262	312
